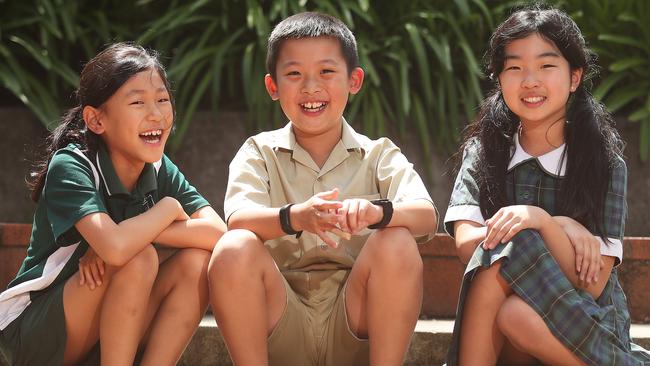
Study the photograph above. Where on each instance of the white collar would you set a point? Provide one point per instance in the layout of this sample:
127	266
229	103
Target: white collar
553	162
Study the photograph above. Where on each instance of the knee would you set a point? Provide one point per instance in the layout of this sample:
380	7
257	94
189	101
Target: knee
237	250
394	248
517	322
193	264
142	268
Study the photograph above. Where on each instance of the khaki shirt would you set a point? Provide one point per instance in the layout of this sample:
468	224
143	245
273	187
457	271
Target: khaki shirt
271	170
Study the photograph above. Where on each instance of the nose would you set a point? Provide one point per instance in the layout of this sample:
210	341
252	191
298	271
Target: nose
311	85
154	112
531	80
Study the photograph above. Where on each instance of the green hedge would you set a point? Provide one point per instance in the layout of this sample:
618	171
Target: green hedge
423	58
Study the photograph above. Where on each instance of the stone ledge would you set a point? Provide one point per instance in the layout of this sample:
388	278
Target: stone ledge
428	346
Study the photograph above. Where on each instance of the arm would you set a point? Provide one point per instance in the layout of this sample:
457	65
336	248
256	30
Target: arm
202	230
468	235
509	220
418	216
115	243
315	215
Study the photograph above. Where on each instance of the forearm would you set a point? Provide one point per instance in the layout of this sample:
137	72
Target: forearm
418	216
115	243
264	222
202	233
468	235
560	246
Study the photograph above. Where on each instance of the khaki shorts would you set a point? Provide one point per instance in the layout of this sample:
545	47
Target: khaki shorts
313	329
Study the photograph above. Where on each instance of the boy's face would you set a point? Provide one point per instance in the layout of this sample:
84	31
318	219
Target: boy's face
313	84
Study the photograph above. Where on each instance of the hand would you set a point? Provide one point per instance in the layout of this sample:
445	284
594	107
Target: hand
357	213
587	249
317	215
510	220
91	269
172	202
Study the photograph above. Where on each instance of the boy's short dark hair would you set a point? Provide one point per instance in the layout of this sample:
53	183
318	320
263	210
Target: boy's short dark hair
311	25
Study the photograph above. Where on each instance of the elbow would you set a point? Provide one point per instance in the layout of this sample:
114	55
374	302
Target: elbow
116	255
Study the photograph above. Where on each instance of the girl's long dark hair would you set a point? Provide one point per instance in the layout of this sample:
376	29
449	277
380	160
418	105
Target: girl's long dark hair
100	78
592	142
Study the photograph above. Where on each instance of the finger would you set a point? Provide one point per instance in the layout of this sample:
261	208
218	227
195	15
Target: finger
82	278
580	252
341	234
586	260
343	216
89	278
503	235
515	228
595	263
326	239
353	216
101	265
323	205
328	195
95	273
492	239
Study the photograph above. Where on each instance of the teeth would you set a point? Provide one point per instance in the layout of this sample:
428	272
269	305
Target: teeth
152	133
313	105
533	99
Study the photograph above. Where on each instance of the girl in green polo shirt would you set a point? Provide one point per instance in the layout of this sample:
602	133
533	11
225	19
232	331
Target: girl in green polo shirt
92	287
538	208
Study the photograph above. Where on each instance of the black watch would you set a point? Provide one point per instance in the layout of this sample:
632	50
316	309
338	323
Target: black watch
387	205
285	221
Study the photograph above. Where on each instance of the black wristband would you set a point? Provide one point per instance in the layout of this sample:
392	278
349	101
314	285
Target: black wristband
285	221
387	205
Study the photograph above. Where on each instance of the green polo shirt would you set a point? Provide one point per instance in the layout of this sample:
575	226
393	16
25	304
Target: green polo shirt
75	187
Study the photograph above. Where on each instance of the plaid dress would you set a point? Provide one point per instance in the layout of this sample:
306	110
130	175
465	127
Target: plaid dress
597	331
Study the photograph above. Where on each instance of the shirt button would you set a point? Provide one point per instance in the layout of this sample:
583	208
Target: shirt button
323	246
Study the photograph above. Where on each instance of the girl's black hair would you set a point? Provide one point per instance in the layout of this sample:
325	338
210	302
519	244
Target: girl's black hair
100	78
591	140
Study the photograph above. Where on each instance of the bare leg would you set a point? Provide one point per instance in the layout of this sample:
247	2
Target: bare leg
113	313
177	303
527	332
247	294
384	294
480	339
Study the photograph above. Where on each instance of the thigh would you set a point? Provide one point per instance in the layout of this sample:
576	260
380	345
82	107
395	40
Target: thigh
292	340
510	355
82	307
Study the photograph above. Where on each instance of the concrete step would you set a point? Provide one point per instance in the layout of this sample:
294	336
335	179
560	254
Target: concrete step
428	346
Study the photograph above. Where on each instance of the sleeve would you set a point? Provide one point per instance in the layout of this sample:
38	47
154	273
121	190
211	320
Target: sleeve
464	203
399	182
174	184
615	212
248	180
69	195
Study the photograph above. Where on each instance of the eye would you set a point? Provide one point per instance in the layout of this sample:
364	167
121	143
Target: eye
513	68
548	66
327	71
136	102
163	100
293	73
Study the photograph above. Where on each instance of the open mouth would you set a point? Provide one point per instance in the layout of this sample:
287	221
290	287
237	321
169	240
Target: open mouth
536	100
151	137
313	107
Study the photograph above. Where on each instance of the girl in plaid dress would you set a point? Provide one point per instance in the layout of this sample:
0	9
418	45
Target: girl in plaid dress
538	208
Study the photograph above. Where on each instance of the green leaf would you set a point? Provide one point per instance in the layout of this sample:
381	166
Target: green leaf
628	63
622	97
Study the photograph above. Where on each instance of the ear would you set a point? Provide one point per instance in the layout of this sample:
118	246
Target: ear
92	117
356	80
271	87
576	78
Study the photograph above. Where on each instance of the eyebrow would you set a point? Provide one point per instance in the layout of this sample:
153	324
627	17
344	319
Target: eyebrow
330	61
142	91
541	55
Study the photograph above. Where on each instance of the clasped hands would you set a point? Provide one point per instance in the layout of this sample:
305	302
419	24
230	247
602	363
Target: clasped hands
322	213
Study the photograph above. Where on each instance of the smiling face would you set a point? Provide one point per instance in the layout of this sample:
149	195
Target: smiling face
313	84
536	80
135	121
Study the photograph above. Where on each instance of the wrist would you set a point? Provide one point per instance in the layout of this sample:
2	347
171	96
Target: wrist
543	219
387	213
286	223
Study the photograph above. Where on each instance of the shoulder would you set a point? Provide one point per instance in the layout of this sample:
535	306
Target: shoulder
69	160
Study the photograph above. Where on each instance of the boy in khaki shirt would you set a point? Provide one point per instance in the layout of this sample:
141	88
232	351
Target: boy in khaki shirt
284	289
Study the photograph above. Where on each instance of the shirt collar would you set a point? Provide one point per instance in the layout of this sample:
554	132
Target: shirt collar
147	181
350	138
553	162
